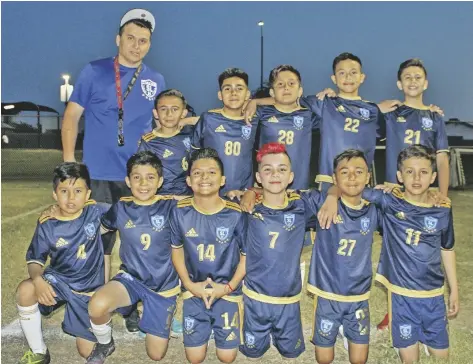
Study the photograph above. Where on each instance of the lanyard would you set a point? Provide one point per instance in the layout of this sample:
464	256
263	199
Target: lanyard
120	99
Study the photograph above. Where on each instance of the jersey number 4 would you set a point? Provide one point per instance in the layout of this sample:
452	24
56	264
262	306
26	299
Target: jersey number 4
206	253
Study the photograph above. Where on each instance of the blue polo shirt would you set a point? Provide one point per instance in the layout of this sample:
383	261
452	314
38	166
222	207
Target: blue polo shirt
95	91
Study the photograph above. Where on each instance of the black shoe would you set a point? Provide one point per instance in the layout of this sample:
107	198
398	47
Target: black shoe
131	321
100	352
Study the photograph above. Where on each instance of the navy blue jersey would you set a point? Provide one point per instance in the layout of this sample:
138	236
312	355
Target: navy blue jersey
173	151
212	242
74	247
234	141
275	239
345	124
340	267
293	129
145	249
406	126
413	236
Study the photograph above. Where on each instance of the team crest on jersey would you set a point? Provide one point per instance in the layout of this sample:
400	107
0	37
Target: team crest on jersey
365	225
246	132
325	327
427	123
90	230
249	340
289	220
405	331
430	224
158	222
187	143
50	278
189	325
222	234
365	113
298	122
149	88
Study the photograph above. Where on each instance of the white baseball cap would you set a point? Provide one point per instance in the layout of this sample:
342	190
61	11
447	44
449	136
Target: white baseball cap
138	14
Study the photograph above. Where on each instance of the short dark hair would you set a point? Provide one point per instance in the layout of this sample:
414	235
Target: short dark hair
273	75
413	62
232	72
348	154
139	22
170	92
70	170
205	153
261	93
144	158
343	57
417	151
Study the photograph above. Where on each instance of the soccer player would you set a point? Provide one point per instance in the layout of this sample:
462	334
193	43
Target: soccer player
414	123
171	143
226	131
418	238
273	285
208	235
73	243
146	273
340	269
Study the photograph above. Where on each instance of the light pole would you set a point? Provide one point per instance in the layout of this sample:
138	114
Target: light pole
261	24
65	93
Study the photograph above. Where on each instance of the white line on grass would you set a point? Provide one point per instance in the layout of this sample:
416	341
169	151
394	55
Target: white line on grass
24	214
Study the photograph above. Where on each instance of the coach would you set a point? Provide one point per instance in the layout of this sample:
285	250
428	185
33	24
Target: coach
116	94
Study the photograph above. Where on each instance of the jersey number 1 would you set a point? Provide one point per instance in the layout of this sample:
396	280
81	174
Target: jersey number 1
204	253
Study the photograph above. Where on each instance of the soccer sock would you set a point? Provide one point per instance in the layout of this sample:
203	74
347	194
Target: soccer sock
103	332
30	322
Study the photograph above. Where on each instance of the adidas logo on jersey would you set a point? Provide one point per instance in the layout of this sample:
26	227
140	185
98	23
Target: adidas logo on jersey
167	153
61	242
231	337
129	224
401	119
341	109
339	219
191	233
273	119
400	215
220	129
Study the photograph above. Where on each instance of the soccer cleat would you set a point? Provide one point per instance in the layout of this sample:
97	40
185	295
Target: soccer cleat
35	358
131	321
383	325
100	352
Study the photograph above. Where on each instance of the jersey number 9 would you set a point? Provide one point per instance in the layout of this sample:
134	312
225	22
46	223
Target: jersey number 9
145	240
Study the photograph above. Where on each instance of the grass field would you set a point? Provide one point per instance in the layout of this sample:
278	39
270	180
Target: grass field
23	200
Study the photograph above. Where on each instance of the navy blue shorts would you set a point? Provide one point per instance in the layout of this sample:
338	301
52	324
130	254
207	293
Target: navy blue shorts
76	316
330	314
224	318
157	310
281	321
418	319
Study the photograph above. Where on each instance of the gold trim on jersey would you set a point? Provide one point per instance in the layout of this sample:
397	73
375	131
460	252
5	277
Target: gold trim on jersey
337	297
390	316
314	322
297	108
278	207
90	294
241	313
155	199
270	299
323	178
409	292
362	204
354	98
186	202
400	194
36	262
208	213
443	151
236	299
168	293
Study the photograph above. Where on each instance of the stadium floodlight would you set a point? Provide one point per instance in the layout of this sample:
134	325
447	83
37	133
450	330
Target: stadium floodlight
261	24
9	107
66	89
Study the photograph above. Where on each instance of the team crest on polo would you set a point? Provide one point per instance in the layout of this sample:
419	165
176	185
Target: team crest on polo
149	88
405	331
365	225
90	230
50	278
298	122
222	234
249	340
189	324
325	327
158	222
427	123
289	220
365	113
430	224
187	143
246	132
